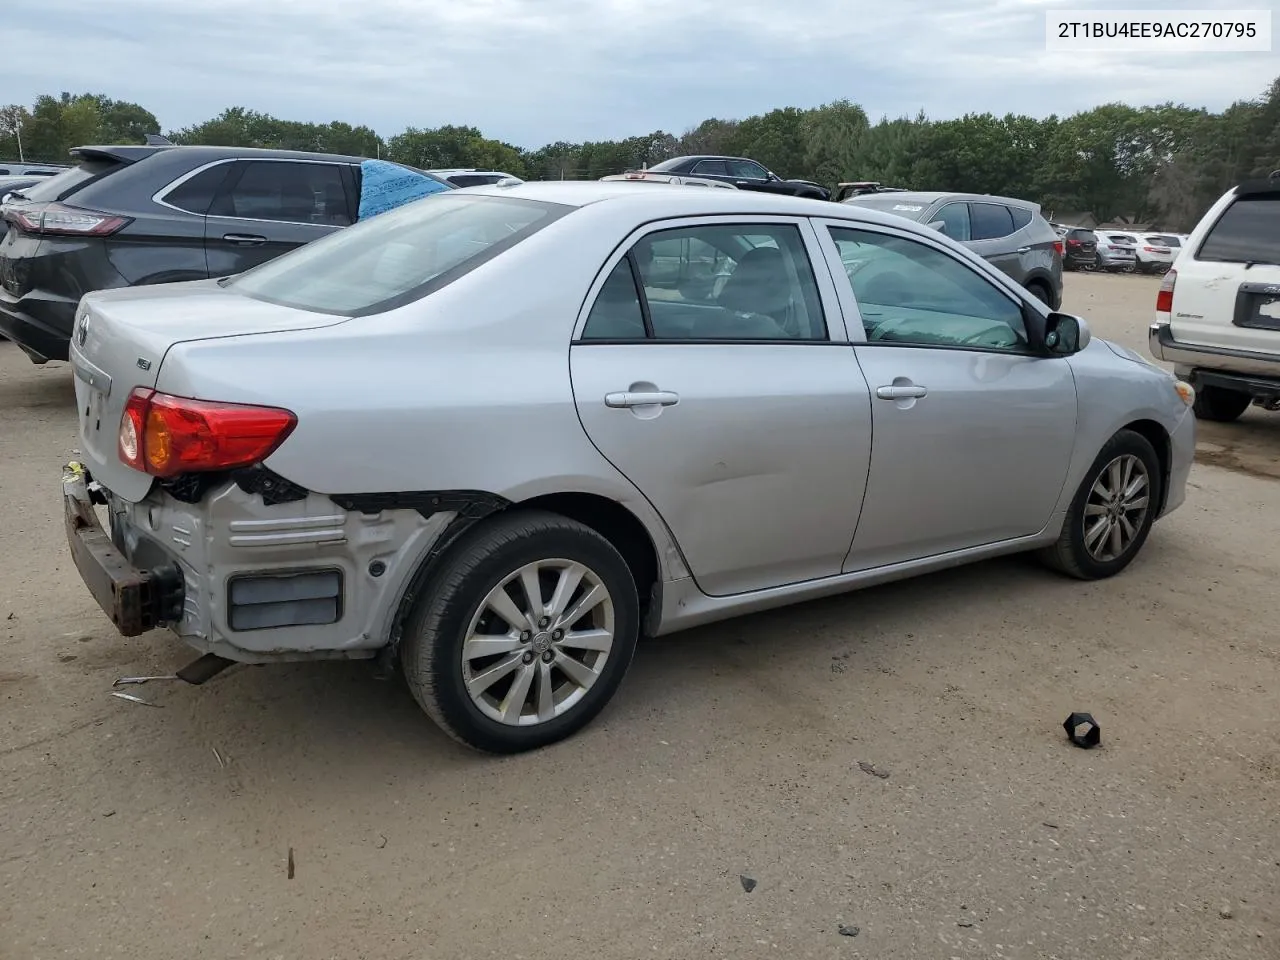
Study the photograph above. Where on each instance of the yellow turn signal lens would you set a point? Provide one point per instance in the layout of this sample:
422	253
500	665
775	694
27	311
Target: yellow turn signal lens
1186	391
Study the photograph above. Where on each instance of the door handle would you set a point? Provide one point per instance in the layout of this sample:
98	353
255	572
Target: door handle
1024	250
626	399
901	392
244	239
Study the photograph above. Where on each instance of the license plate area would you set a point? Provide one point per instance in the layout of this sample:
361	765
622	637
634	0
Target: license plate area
95	405
1258	306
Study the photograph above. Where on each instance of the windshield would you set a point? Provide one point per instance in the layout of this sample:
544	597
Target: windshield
64	184
891	203
396	257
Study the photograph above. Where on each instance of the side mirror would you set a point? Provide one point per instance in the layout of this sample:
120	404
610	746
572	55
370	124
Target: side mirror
939	225
1065	334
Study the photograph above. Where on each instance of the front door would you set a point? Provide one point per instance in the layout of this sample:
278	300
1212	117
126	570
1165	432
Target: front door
269	207
973	430
729	398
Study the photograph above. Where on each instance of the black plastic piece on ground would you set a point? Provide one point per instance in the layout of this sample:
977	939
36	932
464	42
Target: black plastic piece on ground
1091	736
204	668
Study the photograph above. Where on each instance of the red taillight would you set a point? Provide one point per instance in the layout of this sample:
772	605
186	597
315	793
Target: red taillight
56	219
1073	243
1164	299
166	436
1059	247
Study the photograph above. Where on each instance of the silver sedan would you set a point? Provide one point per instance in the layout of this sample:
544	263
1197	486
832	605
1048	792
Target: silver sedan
497	435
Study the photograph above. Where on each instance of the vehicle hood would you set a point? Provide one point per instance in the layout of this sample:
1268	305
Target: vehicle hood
120	340
1125	353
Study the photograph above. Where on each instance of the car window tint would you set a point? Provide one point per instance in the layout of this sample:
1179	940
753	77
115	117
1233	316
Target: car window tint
747	169
195	195
1249	229
616	314
714	168
729	282
1021	217
909	292
473	179
955	220
990	221
287	191
398	256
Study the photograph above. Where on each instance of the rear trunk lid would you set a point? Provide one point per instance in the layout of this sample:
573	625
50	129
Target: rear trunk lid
1227	292
120	340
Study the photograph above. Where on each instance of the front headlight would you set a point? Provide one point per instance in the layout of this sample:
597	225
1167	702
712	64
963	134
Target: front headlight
1186	391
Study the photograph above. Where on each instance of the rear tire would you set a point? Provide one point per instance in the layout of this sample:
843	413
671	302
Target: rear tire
549	671
1112	511
1219	404
1040	290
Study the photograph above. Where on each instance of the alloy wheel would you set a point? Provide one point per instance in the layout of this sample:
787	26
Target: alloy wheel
1116	508
538	642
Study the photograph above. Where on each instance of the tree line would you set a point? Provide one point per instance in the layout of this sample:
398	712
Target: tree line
1165	163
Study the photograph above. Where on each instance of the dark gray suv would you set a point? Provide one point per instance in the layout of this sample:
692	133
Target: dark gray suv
131	215
1009	234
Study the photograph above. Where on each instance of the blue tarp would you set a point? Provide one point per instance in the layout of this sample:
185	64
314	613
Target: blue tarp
385	186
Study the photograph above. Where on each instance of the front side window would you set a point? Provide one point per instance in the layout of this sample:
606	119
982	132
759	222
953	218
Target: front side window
955	221
722	282
287	191
396	257
991	221
912	293
1248	230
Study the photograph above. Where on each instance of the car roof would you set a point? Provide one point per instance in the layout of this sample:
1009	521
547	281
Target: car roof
132	154
933	196
661	200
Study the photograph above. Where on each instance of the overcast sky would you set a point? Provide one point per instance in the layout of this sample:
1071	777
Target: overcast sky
534	71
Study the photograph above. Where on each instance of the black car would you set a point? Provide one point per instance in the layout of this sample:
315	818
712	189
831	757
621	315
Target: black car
1080	249
132	215
742	173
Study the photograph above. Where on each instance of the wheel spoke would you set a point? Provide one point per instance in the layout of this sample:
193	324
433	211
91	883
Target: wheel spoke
601	640
1115	474
546	693
1130	531
513	703
595	595
1117	540
1135	489
570	577
576	671
1094	536
477	648
1095	510
487	678
1100	488
500	602
533	594
1126	474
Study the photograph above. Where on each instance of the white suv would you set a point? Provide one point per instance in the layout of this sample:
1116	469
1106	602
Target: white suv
1218	310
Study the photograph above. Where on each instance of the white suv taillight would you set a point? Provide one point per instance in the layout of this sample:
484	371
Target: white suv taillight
1164	298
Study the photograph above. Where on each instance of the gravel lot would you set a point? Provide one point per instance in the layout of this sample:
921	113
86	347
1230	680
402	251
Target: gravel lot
733	750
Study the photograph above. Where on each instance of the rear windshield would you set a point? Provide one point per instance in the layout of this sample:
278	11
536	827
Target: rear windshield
1249	230
890	203
396	257
1081	235
62	185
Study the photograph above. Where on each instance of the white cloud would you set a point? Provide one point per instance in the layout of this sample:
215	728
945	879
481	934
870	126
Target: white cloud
533	71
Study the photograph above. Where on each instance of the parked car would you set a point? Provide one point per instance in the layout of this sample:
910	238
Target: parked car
470	177
856	188
22	168
675	179
1117	251
132	215
742	173
1218	309
1008	233
1149	255
1080	248
304	467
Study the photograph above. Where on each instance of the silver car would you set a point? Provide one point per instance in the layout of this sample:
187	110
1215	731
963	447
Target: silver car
499	434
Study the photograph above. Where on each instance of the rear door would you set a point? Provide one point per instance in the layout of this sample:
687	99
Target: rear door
738	410
1227	291
991	236
269	207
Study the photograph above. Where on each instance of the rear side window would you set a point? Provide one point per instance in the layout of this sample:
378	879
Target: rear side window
1021	217
62	185
195	194
396	257
712	168
1248	230
473	179
990	221
287	191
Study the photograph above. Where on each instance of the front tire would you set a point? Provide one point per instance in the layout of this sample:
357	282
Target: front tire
1112	511
1220	405
524	634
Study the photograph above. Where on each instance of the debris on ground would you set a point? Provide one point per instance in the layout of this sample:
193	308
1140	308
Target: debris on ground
382	841
849	931
132	699
748	884
217	756
1225	911
869	768
122	681
1083	730
291	863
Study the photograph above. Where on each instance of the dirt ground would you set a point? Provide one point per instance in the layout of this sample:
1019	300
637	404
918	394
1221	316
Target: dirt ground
736	750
